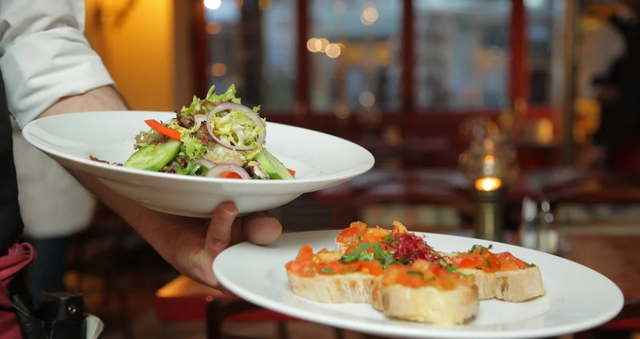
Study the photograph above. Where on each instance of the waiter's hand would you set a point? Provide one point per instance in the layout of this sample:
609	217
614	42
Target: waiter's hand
201	242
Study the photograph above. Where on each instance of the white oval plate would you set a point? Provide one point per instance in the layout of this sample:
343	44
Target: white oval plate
577	297
320	161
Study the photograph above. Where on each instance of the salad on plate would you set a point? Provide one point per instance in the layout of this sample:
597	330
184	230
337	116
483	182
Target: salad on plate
215	137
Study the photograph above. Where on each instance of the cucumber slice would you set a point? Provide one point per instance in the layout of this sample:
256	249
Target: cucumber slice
270	164
154	157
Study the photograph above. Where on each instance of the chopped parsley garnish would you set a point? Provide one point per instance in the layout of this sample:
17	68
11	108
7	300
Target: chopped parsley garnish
367	256
418	273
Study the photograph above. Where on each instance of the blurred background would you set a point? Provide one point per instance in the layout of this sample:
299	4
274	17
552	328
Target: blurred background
474	109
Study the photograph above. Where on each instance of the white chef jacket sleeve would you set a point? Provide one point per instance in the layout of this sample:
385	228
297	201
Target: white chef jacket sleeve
598	52
44	55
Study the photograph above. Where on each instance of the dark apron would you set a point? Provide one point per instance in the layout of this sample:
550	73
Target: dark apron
18	319
10	220
13	257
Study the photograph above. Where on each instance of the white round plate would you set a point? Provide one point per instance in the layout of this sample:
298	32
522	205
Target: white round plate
320	161
577	297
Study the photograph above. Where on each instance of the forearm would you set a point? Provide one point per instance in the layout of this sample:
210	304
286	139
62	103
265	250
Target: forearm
162	231
100	99
155	227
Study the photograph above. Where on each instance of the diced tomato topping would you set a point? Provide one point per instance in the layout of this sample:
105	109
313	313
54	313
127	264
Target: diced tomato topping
481	258
508	262
308	264
305	254
372	267
374	234
424	273
352	234
464	261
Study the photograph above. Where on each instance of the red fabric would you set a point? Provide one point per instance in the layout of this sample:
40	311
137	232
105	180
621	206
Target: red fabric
18	257
518	64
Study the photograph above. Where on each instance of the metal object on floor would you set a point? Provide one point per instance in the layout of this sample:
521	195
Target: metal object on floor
489	213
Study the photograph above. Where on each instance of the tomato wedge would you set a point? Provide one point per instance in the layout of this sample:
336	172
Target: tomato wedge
162	129
230	175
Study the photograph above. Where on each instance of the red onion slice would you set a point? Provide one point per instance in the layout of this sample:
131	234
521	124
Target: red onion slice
228	106
216	171
206	163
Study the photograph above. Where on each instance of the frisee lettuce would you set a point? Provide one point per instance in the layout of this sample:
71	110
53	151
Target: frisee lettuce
237	128
203	106
192	169
192	147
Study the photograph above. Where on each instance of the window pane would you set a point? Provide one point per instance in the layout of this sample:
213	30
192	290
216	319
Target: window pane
355	59
462	52
252	45
545	42
461	55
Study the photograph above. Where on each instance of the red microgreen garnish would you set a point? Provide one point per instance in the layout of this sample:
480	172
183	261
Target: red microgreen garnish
407	248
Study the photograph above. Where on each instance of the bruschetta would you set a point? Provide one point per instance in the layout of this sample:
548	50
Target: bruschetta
400	245
400	275
499	275
327	277
427	292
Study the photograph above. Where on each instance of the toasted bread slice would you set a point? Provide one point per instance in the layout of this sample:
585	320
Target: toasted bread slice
513	286
429	304
339	288
327	277
376	296
426	292
499	275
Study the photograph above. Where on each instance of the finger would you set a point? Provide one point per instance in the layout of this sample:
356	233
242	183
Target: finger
261	229
219	231
226	292
237	231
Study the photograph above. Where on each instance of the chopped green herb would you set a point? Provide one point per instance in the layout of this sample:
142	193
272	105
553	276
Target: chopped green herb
432	278
326	270
488	263
378	252
353	256
366	256
452	268
388	261
418	273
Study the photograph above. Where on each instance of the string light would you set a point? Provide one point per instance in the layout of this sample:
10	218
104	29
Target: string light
212	4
